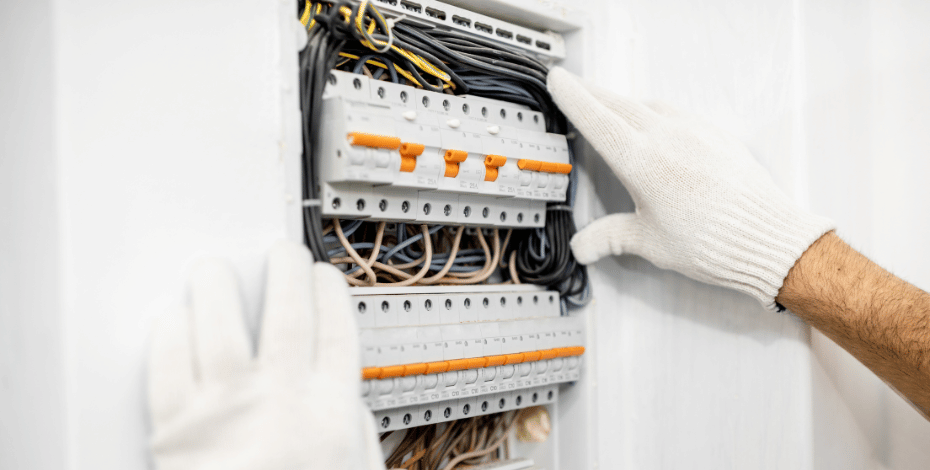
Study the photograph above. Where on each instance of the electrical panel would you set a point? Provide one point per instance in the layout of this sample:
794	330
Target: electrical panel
438	178
397	153
438	356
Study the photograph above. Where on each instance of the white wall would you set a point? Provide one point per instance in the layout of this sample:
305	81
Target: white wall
32	396
688	375
171	144
831	96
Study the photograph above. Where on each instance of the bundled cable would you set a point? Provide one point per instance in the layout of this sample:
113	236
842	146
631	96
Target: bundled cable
458	444
413	255
355	36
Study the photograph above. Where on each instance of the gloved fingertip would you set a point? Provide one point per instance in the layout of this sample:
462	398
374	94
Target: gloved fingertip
587	249
558	78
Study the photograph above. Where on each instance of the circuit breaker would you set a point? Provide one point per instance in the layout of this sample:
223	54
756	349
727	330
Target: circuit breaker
394	152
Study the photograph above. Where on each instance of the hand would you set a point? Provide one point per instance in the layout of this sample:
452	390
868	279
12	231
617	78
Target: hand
704	206
297	405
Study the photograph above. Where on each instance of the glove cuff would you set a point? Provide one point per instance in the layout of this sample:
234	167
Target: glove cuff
757	243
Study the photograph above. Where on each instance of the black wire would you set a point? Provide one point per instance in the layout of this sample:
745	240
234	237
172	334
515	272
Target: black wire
476	66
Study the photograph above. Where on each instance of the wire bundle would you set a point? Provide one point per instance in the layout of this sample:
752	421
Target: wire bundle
357	37
457	444
406	255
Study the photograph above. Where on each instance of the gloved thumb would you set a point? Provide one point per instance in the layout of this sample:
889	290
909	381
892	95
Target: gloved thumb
612	234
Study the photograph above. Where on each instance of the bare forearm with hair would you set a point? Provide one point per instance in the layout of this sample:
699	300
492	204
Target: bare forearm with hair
880	319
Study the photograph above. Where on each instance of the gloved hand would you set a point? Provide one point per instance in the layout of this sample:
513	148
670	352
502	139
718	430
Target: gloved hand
704	206
297	405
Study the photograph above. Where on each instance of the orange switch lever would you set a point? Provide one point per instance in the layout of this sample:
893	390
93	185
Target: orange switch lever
374	140
408	155
453	158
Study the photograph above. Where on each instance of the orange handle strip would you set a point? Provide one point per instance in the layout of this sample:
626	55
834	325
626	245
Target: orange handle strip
513	358
369	373
545	167
391	371
548	354
475	363
532	165
458	364
415	369
437	367
374	140
564	168
491	361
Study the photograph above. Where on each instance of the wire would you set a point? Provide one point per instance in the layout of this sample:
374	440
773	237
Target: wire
357	36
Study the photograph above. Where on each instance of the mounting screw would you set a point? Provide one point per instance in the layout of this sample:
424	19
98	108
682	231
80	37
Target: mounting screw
336	203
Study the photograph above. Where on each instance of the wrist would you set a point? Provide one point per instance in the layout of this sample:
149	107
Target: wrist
757	240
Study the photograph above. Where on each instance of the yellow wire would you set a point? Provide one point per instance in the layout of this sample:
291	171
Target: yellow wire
399	70
306	16
417	60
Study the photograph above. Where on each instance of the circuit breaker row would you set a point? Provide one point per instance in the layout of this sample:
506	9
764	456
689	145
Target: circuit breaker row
381	394
535	339
419	415
383	311
393	152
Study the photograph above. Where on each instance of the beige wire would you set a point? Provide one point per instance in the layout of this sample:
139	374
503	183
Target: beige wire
355	257
514	276
452	254
489	268
481	453
487	260
428	248
376	249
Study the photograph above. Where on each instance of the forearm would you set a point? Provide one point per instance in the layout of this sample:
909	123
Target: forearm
880	319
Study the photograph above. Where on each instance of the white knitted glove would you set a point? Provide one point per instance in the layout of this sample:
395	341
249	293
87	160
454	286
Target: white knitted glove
295	406
704	206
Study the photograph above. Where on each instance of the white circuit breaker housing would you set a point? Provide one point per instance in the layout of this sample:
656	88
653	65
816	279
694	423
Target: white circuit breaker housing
438	356
394	152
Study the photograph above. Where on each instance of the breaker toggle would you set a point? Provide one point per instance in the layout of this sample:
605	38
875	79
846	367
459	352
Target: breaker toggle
369	373
491	164
374	140
545	167
453	158
408	155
